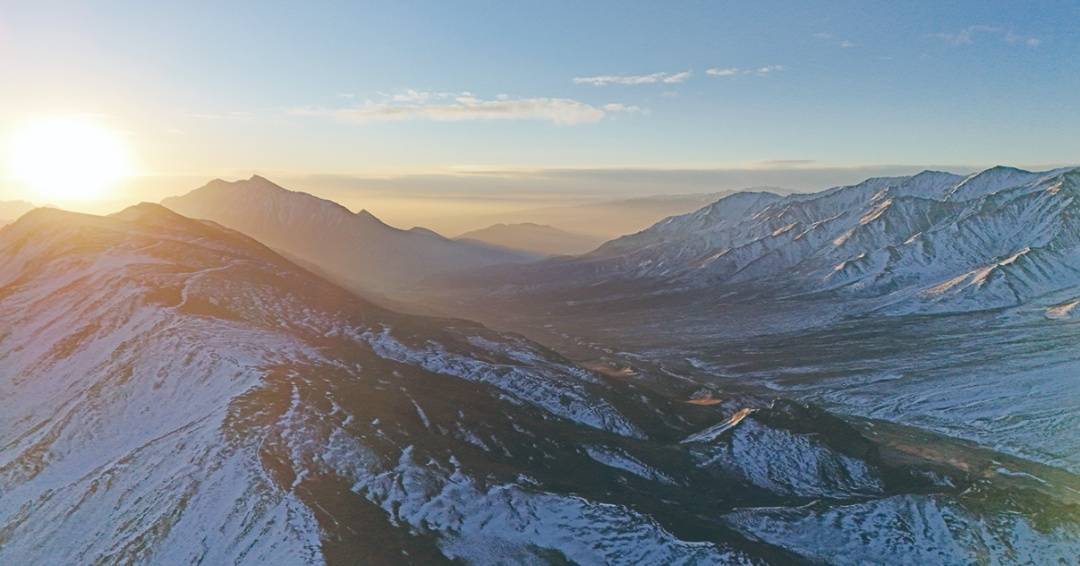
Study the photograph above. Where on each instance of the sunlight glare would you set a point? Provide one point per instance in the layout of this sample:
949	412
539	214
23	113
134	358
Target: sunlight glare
67	159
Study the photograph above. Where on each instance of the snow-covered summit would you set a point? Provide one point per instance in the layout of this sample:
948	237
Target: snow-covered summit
933	241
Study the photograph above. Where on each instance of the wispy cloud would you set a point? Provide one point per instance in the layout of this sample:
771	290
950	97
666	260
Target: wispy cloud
1016	38
968	35
838	41
718	72
768	69
619	107
653	78
735	71
965	36
456	107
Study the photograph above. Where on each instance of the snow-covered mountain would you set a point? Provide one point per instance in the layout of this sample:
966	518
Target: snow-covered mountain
533	238
931	242
172	391
357	249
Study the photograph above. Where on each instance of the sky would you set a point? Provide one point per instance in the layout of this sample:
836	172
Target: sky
410	99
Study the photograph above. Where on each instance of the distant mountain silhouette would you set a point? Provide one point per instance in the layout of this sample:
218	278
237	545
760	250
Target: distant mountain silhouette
357	249
533	238
603	220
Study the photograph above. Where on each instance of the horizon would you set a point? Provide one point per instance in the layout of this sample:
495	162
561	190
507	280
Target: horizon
404	204
395	106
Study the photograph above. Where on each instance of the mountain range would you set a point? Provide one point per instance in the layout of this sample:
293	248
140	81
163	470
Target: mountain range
931	242
356	249
533	238
175	391
600	219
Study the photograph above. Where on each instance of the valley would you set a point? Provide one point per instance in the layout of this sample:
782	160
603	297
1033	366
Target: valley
301	419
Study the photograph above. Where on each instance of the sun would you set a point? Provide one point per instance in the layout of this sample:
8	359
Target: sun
67	159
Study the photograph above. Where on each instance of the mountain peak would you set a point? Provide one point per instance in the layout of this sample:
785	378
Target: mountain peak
253	182
1004	169
356	247
425	231
990	181
46	215
933	173
367	217
152	214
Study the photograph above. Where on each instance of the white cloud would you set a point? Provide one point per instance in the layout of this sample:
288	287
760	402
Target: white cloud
847	44
676	78
619	107
967	36
718	72
768	69
734	71
654	78
450	107
410	95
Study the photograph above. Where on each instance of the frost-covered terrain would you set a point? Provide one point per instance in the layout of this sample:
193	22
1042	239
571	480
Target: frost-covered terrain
929	243
172	391
937	300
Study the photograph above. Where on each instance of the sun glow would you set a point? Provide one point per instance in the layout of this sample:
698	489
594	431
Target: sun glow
67	159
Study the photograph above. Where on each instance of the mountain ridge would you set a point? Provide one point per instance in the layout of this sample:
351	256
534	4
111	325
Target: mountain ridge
895	240
356	248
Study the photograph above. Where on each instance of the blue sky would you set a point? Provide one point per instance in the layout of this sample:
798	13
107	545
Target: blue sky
394	88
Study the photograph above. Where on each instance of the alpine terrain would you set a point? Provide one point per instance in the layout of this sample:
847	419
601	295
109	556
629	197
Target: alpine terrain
937	300
174	392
